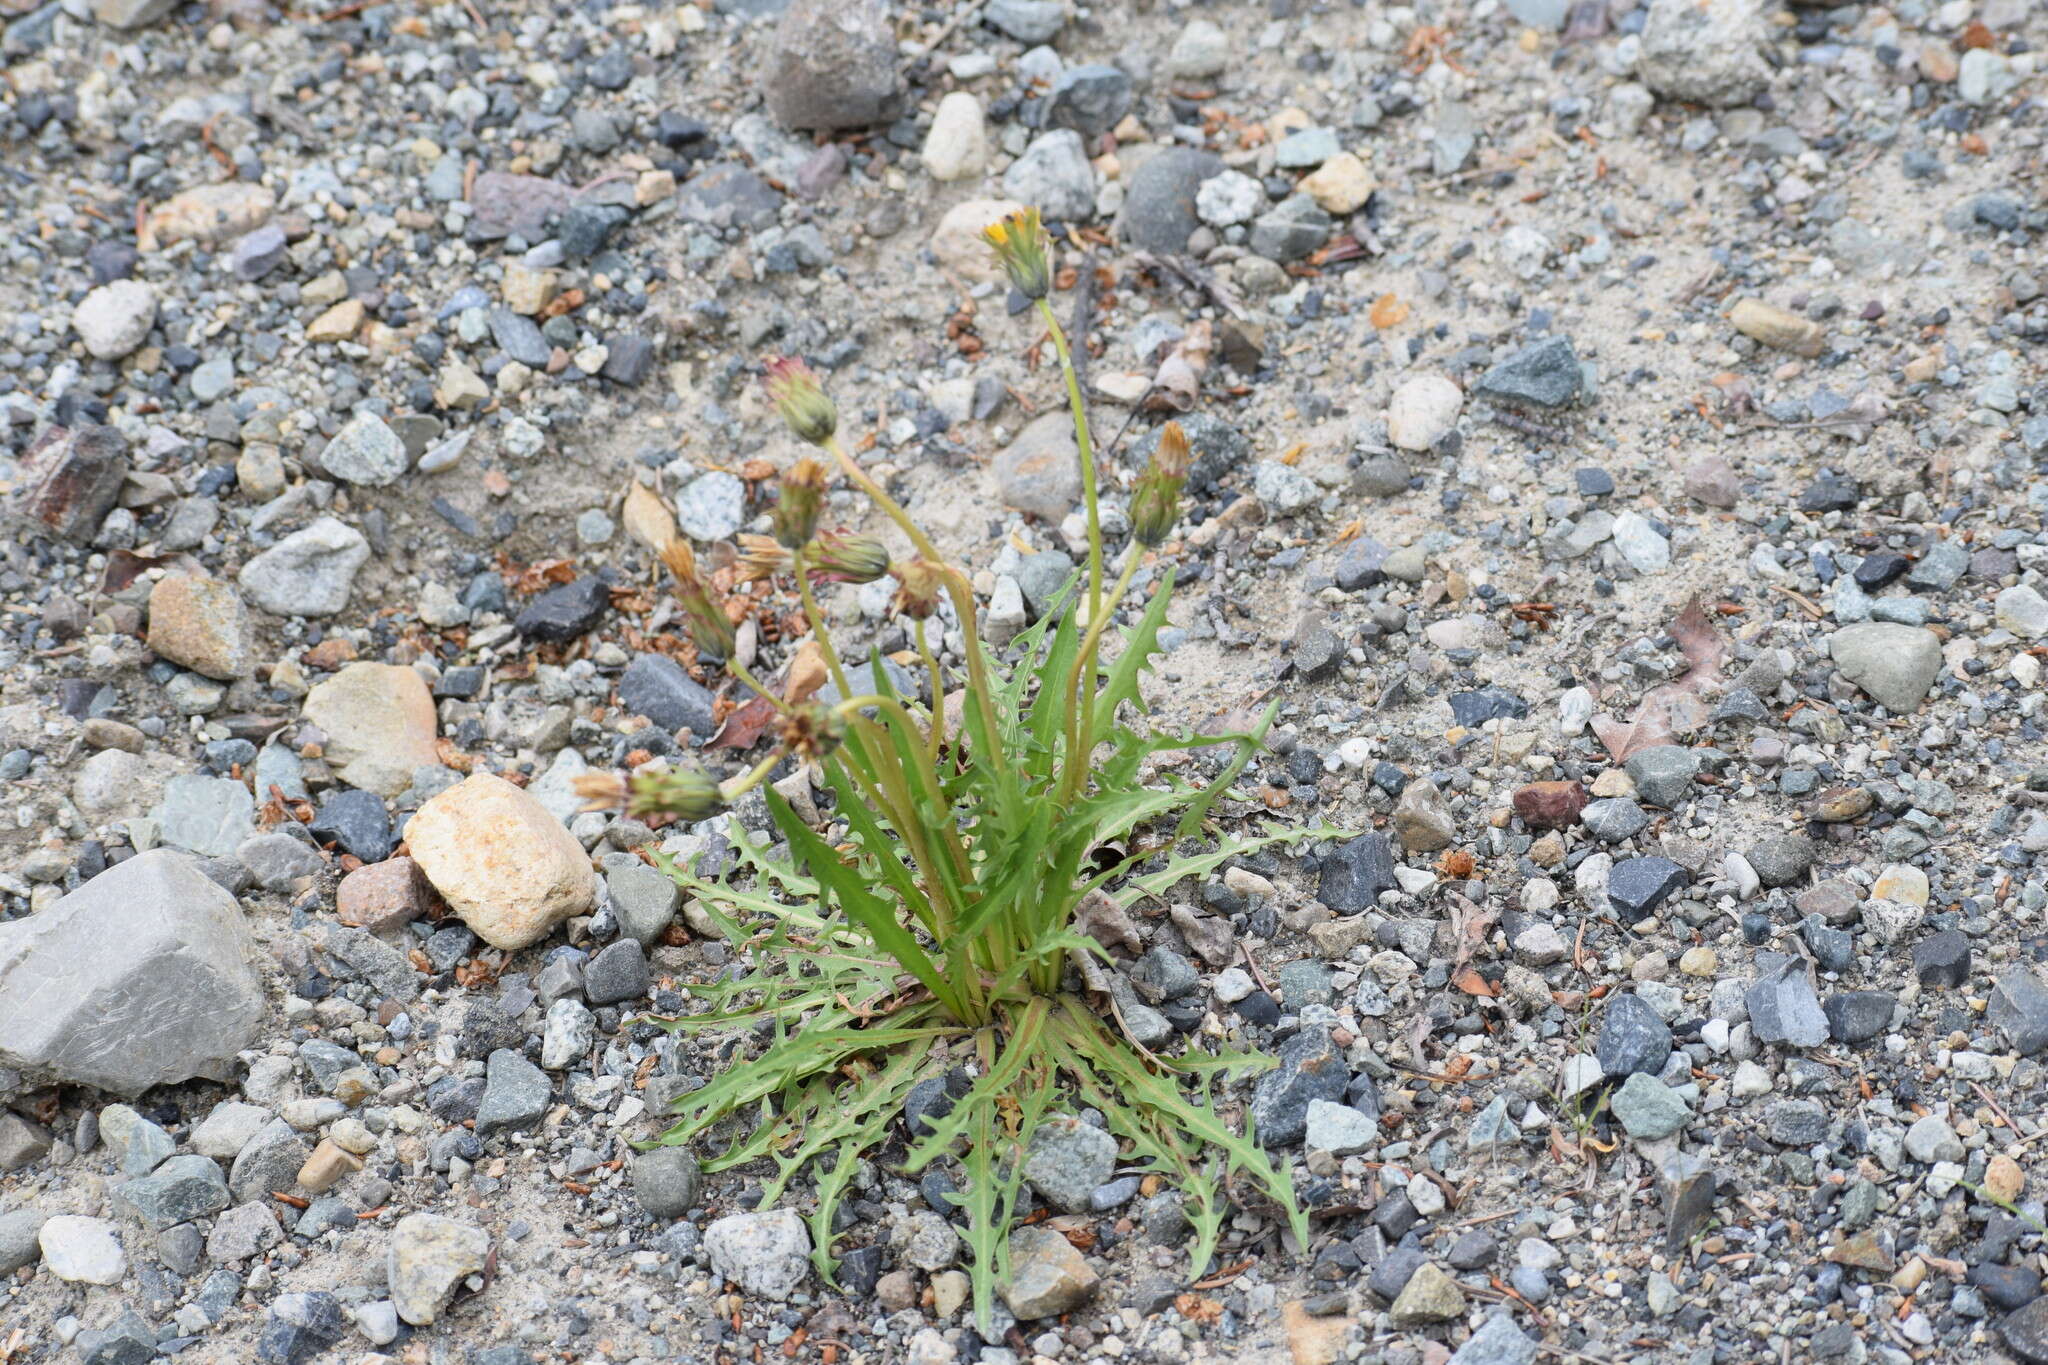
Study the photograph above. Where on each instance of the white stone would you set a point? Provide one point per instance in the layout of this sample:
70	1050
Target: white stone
956	148
82	1250
1423	411
1228	199
114	319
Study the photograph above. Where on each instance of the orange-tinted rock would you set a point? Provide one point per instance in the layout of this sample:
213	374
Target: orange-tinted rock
382	896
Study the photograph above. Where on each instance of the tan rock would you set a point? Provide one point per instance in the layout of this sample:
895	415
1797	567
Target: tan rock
338	323
1340	185
208	214
1902	883
202	624
507	866
379	723
958	245
259	471
460	387
1777	328
527	290
654	186
1314	1340
328	1166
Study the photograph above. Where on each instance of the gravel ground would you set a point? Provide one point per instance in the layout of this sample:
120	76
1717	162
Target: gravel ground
1617	437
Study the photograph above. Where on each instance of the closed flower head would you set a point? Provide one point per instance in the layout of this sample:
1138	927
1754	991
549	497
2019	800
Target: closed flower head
797	395
761	557
1155	502
709	626
1020	245
811	731
797	505
843	557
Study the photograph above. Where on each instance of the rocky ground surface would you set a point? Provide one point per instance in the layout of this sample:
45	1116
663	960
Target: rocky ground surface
1617	428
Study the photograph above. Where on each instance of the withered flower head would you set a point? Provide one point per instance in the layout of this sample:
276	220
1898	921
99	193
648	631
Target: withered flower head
709	626
801	400
811	731
1155	502
686	793
843	557
761	557
918	584
798	503
1022	248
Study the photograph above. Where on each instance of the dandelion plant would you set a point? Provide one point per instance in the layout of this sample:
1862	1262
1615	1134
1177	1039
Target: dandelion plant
928	927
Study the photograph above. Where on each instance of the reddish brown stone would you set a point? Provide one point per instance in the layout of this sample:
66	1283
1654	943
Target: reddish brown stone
1550	805
382	896
75	479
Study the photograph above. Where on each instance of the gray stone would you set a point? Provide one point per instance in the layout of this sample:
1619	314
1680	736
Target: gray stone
1090	99
19	1229
712	506
1311	1068
1783	860
767	1254
1637	886
644	900
1784	1009
1545	372
1663	774
183	1188
309	572
1159	213
832	64
1859	1016
1291	229
242	1232
211	816
1930	1139
1067	1160
227	1128
2019	1011
1613	819
666	1181
268	1165
1498	1341
1633	1038
618	972
1894	664
516	1093
140	1145
277	860
1054	174
1704	54
1355	872
22	1141
1028	21
1040	471
1650	1109
140	977
366	451
1339	1129
659	688
570	1031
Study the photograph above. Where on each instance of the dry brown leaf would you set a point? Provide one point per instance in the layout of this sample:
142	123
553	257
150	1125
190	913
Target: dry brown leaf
744	727
1669	713
807	673
648	519
1388	311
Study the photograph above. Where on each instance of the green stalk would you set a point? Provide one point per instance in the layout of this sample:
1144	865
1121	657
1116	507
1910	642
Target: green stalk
931	663
818	631
1081	721
1087	448
956	587
739	670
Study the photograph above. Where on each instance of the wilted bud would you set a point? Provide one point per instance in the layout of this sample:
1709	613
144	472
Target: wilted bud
689	794
811	731
800	399
918	584
761	557
843	557
1155	502
1021	246
600	791
709	626
797	505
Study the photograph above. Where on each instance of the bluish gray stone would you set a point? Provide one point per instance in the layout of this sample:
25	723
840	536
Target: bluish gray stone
1544	372
1784	1009
1633	1038
1067	1160
516	1093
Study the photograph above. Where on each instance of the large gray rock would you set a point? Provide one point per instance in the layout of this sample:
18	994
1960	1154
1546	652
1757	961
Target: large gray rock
309	572
1705	54
140	977
766	1254
1894	664
833	65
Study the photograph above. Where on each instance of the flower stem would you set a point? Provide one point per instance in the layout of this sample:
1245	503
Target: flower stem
737	787
931	663
1087	447
818	631
1081	739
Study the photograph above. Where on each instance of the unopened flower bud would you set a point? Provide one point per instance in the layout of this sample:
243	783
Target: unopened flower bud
799	502
918	584
1021	247
1155	502
689	794
843	557
709	626
800	399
